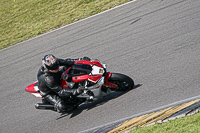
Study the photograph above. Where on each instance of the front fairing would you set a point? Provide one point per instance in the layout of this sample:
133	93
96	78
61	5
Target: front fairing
83	70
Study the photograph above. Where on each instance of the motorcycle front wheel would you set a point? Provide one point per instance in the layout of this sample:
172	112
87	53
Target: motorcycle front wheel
122	81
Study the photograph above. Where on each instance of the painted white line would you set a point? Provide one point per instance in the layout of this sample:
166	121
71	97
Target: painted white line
143	113
70	24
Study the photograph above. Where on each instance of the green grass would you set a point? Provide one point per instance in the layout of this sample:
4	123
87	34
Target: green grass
24	19
189	124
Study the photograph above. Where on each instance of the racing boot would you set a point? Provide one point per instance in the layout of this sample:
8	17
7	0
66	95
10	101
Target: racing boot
62	107
56	101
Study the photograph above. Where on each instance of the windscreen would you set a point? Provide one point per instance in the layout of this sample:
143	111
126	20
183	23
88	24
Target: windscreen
80	69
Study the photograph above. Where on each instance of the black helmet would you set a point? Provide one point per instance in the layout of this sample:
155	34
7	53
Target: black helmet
50	62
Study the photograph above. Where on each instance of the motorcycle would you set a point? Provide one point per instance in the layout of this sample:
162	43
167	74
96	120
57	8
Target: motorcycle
90	75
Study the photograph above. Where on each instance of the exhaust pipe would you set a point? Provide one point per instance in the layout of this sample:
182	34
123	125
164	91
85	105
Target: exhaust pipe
44	106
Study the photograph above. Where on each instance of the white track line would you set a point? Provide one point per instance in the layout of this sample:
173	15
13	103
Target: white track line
143	113
70	24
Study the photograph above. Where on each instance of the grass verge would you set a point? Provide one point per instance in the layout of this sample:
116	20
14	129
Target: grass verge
188	124
24	19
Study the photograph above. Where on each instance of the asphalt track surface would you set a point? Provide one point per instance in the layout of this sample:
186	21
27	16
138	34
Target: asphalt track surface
156	42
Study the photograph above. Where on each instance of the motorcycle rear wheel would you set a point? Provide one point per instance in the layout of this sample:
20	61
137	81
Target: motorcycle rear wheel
124	82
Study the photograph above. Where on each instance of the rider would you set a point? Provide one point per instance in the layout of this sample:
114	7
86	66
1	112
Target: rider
49	78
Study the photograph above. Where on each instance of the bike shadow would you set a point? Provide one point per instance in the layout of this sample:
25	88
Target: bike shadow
99	102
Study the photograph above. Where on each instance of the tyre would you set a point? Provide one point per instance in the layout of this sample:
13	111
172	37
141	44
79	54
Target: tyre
124	82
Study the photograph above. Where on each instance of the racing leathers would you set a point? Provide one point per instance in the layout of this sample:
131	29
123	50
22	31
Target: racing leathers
49	85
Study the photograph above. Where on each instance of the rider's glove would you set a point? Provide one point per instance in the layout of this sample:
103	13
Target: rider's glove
65	92
69	92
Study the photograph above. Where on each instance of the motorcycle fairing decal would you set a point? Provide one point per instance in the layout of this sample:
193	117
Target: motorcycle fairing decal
37	95
33	89
36	88
97	65
97	70
96	73
94	79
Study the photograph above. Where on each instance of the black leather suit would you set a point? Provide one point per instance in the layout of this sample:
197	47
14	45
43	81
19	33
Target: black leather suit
49	85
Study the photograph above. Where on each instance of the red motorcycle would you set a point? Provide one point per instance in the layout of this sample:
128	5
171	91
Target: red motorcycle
90	75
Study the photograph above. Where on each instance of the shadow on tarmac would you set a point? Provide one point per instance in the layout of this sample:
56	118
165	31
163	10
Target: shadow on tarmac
96	103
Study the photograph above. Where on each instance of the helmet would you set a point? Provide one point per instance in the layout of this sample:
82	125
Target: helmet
50	62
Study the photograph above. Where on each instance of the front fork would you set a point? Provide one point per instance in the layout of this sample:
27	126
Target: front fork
96	89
